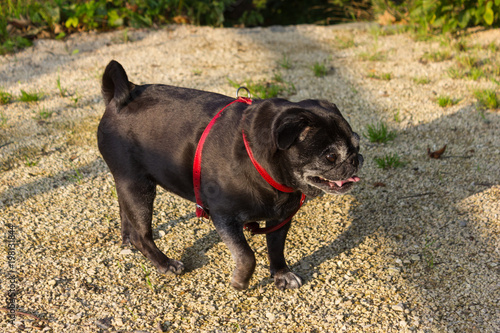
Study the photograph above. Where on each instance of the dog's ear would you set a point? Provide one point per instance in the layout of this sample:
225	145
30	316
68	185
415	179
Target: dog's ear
290	127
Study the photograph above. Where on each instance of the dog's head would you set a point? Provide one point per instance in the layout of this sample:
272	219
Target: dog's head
319	146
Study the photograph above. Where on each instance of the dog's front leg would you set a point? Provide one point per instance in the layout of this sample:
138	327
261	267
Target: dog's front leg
283	277
232	235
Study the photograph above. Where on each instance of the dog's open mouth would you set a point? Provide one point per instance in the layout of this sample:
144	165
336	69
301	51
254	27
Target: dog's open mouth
336	186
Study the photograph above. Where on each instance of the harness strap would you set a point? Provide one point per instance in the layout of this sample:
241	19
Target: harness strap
200	211
263	171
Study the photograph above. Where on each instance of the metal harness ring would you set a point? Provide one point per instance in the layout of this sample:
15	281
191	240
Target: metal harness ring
244	88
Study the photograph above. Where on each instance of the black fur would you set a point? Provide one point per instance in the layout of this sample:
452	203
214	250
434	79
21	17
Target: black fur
148	137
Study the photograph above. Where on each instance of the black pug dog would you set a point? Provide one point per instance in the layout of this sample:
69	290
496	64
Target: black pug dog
149	136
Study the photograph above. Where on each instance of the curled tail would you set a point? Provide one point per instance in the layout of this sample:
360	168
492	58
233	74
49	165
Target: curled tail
115	84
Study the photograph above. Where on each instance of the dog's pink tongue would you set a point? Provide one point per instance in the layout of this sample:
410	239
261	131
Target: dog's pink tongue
354	179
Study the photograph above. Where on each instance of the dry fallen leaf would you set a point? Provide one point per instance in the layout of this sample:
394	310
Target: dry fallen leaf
386	18
378	184
437	153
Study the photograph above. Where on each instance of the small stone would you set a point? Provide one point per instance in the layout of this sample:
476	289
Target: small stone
126	251
161	233
270	316
393	270
118	322
398	307
462	223
415	257
52	283
104	323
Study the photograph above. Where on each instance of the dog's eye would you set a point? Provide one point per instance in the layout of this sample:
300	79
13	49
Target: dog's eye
331	157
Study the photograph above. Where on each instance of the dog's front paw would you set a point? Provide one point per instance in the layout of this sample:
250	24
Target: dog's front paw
239	285
287	280
172	267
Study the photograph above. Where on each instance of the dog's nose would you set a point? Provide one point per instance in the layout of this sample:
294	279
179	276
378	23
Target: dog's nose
359	161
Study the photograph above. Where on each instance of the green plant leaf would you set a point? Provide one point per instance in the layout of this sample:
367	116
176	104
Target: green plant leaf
464	19
71	22
114	19
488	14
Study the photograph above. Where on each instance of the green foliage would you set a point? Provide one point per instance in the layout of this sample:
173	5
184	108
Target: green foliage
285	62
381	76
5	97
373	56
445	101
319	69
379	133
421	80
267	88
389	161
30	96
443	15
436	56
487	98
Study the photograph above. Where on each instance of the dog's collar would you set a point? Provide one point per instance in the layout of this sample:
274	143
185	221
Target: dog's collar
253	227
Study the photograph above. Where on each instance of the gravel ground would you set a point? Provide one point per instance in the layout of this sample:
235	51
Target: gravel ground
413	248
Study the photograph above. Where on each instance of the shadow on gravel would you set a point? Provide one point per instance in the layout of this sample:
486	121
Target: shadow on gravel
16	195
57	53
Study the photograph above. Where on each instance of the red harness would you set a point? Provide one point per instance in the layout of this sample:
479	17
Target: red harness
201	212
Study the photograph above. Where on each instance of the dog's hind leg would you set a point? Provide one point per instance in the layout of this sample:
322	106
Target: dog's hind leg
136	199
283	277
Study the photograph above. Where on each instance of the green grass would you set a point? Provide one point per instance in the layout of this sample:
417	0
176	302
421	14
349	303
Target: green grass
379	133
436	56
455	73
445	101
30	163
43	114
147	279
381	76
319	69
30	96
5	97
267	88
62	91
428	253
468	61
421	80
373	56
389	161
3	119
344	42
285	62
487	99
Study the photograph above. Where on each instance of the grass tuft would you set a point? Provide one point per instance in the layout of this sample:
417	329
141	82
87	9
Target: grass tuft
5	97
30	96
487	99
319	69
381	76
421	80
267	88
285	62
389	161
445	101
379	133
